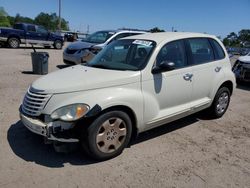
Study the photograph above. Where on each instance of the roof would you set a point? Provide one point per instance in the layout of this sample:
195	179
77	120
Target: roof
167	36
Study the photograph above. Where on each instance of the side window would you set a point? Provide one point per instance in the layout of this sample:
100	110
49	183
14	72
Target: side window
201	50
173	52
41	30
218	51
31	28
122	35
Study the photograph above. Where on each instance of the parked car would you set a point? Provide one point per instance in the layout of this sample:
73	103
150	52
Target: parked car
23	33
241	68
70	36
84	50
136	84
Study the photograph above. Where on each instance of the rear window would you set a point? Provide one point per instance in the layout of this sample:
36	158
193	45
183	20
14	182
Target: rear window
201	50
18	26
31	28
218	51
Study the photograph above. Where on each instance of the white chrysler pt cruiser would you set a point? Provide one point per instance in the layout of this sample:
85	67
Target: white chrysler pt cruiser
133	85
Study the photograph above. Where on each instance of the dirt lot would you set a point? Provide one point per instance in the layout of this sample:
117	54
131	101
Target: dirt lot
192	152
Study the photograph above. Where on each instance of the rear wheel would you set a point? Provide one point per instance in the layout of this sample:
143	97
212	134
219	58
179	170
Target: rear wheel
13	42
108	135
220	103
58	44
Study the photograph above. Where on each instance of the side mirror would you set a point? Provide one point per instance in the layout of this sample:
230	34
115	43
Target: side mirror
163	67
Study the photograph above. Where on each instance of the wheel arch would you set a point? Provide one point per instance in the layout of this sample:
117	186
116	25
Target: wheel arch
228	84
14	36
129	112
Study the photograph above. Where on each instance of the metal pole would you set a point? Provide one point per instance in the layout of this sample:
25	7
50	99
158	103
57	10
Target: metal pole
59	25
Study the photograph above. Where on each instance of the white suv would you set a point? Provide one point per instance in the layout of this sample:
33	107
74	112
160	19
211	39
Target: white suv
132	85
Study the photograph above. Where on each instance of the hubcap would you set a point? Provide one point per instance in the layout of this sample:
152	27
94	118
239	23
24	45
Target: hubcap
14	43
222	103
58	45
111	135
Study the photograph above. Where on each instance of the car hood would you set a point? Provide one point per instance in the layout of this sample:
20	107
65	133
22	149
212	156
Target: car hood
79	45
81	78
245	59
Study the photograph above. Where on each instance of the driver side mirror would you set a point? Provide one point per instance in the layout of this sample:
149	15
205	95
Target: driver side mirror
163	67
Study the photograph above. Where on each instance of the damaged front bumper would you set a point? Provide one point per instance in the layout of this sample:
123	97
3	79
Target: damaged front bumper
242	71
47	129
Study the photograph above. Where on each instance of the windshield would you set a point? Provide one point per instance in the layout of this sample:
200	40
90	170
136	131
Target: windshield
127	54
99	37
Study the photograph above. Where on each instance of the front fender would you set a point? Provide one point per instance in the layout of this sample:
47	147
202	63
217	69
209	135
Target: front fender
129	96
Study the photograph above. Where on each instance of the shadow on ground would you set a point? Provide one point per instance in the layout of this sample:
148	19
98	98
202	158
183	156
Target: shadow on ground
244	86
63	66
31	147
168	128
27	72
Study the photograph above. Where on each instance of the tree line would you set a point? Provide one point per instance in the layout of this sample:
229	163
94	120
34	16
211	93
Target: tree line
242	39
49	21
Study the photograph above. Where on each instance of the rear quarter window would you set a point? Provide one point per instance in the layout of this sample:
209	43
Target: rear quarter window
218	50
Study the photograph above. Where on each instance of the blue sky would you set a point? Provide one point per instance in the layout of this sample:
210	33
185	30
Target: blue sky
218	17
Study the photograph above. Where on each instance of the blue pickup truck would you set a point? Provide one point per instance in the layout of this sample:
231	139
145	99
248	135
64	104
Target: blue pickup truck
23	33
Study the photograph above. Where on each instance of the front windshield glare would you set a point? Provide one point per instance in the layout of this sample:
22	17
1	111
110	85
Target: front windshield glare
98	37
127	54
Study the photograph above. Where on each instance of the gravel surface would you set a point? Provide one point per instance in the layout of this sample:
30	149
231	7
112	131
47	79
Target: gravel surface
191	152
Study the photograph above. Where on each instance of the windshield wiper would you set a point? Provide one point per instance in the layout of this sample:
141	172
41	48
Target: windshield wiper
99	66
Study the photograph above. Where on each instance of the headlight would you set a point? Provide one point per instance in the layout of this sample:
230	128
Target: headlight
71	112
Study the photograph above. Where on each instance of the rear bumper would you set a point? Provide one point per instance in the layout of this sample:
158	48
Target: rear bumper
38	127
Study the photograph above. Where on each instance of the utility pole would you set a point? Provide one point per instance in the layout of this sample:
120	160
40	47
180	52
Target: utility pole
87	29
59	24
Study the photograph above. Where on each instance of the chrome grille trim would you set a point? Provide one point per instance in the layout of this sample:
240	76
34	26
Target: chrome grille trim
34	102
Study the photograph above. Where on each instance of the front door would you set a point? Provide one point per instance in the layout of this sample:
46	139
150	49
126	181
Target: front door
167	94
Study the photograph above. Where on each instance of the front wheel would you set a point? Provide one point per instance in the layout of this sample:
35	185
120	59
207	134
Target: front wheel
58	44
108	135
220	103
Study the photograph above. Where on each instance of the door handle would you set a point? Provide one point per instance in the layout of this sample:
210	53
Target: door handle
217	69
188	77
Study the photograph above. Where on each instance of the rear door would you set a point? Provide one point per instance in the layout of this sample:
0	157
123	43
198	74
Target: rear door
31	36
206	70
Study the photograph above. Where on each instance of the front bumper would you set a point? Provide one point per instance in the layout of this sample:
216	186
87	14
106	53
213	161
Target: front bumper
3	39
38	127
72	58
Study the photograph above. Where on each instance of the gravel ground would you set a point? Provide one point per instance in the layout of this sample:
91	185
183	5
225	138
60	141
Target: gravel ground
191	152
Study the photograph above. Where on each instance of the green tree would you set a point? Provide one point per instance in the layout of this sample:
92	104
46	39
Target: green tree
244	35
21	19
51	21
156	30
4	22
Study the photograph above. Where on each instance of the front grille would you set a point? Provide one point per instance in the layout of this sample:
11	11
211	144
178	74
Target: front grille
33	103
70	51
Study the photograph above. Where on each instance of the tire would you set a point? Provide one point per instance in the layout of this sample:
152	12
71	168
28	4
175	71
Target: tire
220	103
13	42
108	135
58	44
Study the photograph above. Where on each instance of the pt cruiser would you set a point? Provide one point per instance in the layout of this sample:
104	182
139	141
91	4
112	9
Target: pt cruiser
133	85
